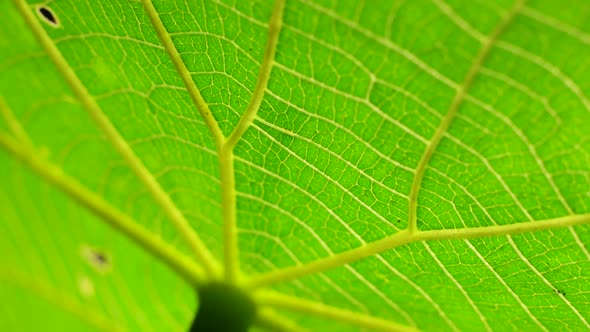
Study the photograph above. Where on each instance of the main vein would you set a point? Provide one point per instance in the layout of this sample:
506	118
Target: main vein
97	205
405	237
226	156
169	208
452	111
322	310
224	145
270	320
13	124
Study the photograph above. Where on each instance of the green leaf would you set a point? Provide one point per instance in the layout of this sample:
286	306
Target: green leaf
405	165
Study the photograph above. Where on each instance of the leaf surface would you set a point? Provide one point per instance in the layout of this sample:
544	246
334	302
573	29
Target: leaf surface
435	136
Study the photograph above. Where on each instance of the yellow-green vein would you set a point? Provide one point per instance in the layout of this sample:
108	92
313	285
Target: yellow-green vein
87	101
228	202
269	320
183	72
13	124
405	237
118	220
274	29
277	300
452	111
225	154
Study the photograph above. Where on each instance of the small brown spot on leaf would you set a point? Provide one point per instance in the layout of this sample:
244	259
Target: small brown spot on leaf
96	258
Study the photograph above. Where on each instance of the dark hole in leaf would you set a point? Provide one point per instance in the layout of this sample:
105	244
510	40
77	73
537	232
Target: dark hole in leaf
223	308
47	13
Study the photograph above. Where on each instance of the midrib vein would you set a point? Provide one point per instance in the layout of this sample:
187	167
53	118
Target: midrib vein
13	124
152	243
226	156
405	237
171	211
319	309
225	145
452	111
268	319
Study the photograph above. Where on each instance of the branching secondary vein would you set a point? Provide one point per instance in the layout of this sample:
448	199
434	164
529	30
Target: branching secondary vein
412	234
274	28
97	205
225	146
86	100
452	111
225	153
405	237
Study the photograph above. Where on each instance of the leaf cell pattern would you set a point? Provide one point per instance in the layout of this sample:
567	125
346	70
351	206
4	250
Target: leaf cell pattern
413	165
